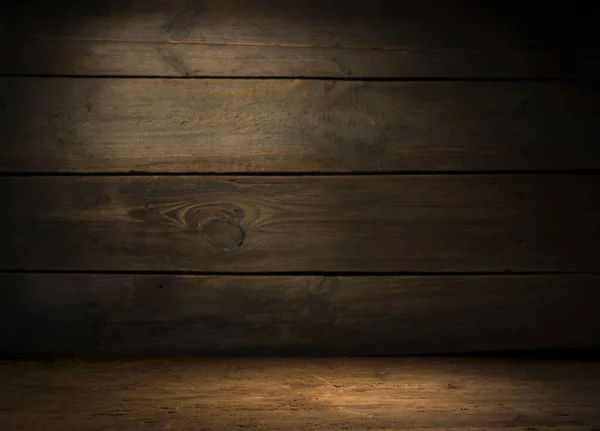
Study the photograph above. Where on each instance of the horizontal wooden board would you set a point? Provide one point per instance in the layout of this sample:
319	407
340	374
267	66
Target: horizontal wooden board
134	315
277	394
462	24
384	38
168	59
123	125
415	223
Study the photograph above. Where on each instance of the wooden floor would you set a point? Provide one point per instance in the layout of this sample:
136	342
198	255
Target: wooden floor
301	394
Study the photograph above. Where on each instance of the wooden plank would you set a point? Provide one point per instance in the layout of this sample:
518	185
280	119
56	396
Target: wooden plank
50	315
168	59
385	38
393	394
412	223
172	125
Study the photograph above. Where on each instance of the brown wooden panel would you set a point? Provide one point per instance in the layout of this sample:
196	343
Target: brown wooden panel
333	223
50	314
277	394
106	125
384	38
110	58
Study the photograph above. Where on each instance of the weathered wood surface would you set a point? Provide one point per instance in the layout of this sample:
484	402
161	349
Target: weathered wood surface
299	394
406	223
49	315
428	24
106	125
385	38
168	59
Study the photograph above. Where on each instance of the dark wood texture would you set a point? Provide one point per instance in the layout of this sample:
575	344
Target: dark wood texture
422	394
122	125
383	38
169	59
103	88
46	315
335	223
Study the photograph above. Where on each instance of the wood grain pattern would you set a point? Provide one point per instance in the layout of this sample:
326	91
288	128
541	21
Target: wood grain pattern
167	59
49	315
123	125
383	38
414	223
393	394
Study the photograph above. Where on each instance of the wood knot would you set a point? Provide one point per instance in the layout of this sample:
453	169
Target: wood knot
223	234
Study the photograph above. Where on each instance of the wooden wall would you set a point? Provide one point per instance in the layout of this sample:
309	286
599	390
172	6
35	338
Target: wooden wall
315	177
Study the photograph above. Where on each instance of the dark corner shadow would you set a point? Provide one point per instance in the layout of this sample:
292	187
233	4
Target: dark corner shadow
587	354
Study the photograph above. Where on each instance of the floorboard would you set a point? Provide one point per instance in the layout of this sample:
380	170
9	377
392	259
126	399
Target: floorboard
428	394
